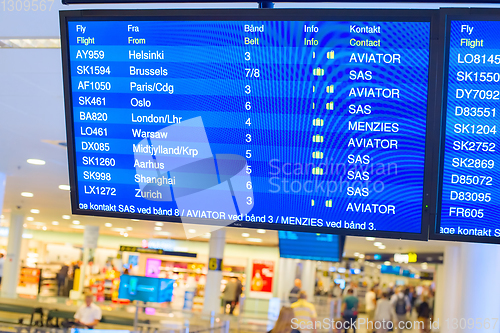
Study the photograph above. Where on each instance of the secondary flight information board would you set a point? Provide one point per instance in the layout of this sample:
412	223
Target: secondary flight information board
311	246
470	201
320	116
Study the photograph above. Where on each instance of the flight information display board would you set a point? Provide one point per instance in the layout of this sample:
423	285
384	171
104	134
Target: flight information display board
305	120
470	203
310	246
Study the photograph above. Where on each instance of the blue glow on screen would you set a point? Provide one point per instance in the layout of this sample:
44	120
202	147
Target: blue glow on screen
337	132
386	269
146	289
470	197
309	246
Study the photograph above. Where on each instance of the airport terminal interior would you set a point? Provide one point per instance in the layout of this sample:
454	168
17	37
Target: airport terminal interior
249	167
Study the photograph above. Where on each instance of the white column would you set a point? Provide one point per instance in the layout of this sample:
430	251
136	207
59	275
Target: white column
440	281
90	237
286	277
12	263
309	278
279	277
480	287
448	287
3	179
212	287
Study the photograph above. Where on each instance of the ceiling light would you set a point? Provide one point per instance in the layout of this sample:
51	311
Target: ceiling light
370	239
192	231
66	217
361	256
76	222
377	243
64	187
382	247
135	220
159	224
77	227
163	233
30	219
55	223
261	231
125	235
35	161
38	223
1	217
27	194
254	240
157	228
356	254
35	211
245	234
44	228
25	225
119	229
387	263
129	228
207	235
109	225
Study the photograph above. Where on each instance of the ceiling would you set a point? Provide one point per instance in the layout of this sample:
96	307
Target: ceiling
32	123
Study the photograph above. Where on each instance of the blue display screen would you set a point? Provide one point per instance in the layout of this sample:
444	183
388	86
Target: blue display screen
296	123
146	289
395	270
470	204
310	246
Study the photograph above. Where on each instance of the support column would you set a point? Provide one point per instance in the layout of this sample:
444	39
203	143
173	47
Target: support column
90	237
309	278
479	271
285	281
214	274
12	263
447	287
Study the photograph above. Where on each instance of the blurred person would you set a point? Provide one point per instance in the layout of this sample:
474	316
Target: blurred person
384	312
370	303
402	306
319	288
337	290
239	291
2	259
88	314
71	275
391	290
413	298
229	295
284	322
62	276
350	310
305	313
424	314
294	293
353	287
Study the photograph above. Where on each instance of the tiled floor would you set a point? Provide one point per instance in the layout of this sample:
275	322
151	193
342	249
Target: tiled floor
175	321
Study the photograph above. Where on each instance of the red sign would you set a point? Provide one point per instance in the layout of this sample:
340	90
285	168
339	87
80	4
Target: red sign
262	276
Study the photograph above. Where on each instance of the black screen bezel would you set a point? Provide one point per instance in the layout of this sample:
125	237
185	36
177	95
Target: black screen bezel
446	16
365	15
